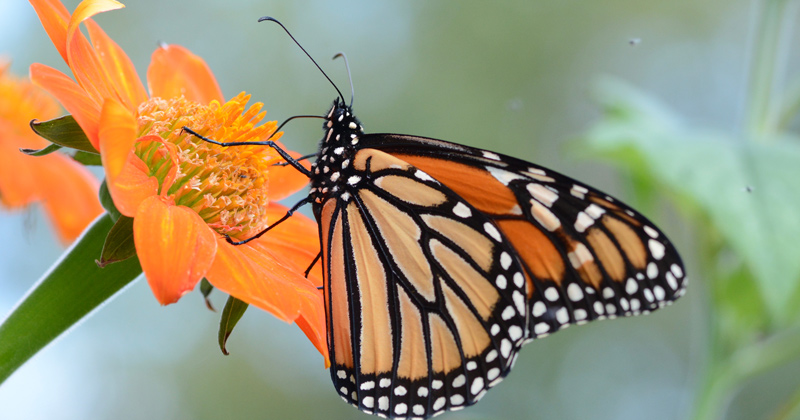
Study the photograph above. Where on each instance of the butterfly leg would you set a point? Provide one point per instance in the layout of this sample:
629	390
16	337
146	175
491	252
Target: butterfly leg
308	156
285	155
288	214
313	263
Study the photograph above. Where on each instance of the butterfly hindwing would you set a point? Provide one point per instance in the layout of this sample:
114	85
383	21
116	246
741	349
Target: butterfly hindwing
427	303
586	255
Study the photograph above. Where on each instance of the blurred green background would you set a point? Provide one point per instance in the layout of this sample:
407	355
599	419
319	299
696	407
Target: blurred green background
514	77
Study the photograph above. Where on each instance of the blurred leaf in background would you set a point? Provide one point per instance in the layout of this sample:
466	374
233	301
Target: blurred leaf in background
740	191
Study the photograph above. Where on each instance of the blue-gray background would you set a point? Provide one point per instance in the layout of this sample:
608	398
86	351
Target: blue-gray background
514	77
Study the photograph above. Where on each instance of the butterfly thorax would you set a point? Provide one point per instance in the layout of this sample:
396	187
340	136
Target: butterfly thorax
333	168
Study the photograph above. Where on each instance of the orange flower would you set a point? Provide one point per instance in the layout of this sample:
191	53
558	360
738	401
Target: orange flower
66	188
183	193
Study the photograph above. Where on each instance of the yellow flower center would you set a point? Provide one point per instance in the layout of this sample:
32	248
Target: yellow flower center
226	186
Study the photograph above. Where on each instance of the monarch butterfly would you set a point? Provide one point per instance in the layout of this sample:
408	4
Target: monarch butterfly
441	260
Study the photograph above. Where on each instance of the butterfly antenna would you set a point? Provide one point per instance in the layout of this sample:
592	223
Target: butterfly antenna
271	19
349	76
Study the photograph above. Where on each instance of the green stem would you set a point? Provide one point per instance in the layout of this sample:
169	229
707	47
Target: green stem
762	118
71	290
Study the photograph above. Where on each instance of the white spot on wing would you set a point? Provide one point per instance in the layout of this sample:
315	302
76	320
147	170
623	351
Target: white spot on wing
519	301
539	308
490	155
508	313
582	222
505	260
515	332
631	286
501	281
505	177
505	348
461	210
492	231
677	270
423	176
594	211
652	270
551	294
656	249
541	328
574	292
542	194
519	280
459	381
477	386
562	316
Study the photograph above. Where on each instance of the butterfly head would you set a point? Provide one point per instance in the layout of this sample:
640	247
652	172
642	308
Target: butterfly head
341	121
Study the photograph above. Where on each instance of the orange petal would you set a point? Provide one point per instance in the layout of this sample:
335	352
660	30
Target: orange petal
261	280
118	135
84	109
312	322
81	57
18	185
54	17
69	192
286	180
127	176
175	247
295	241
118	68
175	71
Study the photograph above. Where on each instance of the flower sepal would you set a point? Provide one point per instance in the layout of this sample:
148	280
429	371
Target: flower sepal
65	132
119	245
231	314
52	147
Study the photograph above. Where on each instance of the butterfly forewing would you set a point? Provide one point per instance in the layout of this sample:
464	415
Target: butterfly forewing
585	255
441	260
427	305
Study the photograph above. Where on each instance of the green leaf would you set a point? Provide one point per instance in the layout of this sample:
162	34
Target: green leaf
206	288
119	244
41	152
64	131
72	288
107	202
750	190
231	314
88	159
